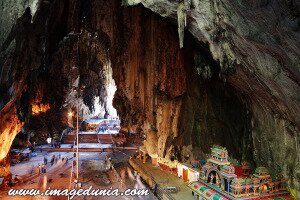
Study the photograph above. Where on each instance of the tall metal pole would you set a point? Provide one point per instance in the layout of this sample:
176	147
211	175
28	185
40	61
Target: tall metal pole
77	133
77	128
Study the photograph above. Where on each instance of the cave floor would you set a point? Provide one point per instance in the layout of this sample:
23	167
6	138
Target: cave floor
165	179
60	175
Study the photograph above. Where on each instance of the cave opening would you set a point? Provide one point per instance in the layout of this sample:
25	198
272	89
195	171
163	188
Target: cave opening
84	61
186	94
83	83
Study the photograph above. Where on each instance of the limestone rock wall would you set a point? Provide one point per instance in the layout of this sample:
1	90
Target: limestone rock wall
151	78
256	44
235	81
160	92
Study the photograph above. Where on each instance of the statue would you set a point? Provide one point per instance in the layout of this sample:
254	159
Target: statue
211	178
218	182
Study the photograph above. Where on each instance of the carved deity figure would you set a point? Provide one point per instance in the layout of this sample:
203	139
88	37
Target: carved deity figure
211	178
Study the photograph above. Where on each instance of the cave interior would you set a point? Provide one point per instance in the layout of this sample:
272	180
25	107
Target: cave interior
189	78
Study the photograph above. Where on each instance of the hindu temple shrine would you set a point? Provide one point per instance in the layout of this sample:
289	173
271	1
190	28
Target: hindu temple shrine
149	99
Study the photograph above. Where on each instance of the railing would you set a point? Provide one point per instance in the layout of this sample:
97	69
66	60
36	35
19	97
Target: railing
160	192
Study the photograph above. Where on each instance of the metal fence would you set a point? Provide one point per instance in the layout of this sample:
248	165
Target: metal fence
160	192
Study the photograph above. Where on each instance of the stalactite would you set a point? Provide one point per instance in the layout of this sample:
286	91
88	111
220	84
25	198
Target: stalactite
182	9
181	20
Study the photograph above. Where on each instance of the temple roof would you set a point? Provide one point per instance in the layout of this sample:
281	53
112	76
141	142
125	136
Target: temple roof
261	170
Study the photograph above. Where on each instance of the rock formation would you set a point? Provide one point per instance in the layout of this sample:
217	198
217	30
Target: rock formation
188	73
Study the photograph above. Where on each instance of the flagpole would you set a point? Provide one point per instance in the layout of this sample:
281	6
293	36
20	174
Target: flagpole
77	133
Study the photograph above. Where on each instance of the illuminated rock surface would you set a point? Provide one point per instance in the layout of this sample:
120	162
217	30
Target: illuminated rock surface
235	81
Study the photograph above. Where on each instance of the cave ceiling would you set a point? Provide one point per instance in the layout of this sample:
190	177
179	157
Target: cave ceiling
188	73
